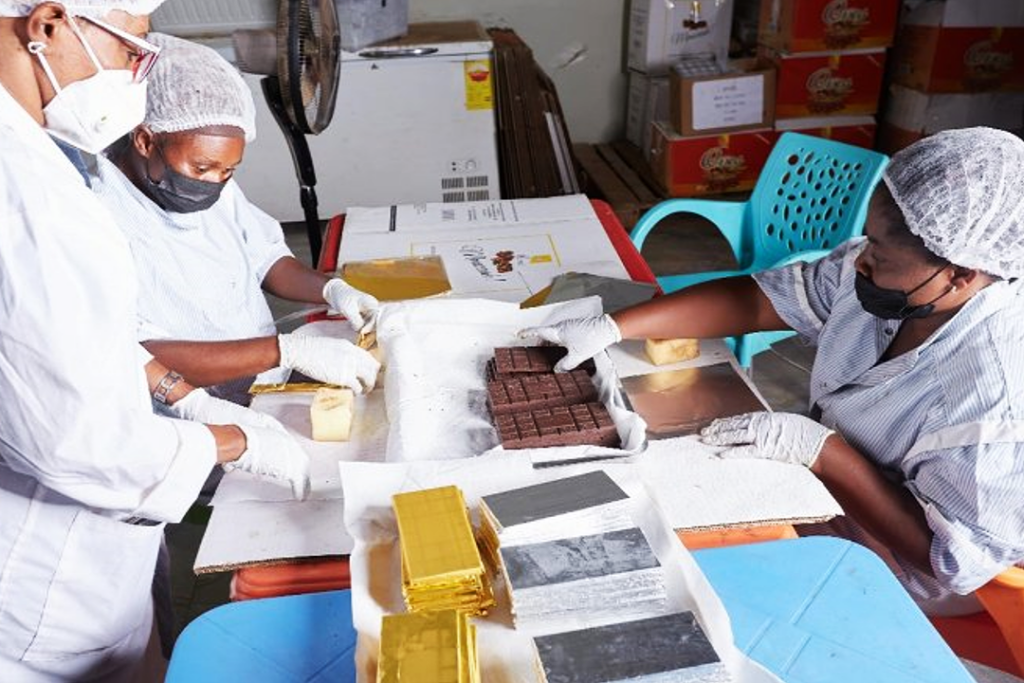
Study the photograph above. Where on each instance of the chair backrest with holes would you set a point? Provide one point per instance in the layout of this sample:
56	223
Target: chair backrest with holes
812	194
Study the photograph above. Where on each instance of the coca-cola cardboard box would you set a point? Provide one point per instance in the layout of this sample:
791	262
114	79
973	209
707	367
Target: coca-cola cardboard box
911	115
961	46
828	84
816	25
709	164
852	130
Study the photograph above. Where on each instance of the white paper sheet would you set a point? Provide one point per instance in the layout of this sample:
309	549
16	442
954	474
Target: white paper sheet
468	215
506	655
435	383
504	263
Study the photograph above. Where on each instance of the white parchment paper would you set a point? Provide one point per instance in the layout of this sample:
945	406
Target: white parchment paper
436	387
506	655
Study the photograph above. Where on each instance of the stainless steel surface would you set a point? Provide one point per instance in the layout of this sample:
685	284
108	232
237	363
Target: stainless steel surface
680	402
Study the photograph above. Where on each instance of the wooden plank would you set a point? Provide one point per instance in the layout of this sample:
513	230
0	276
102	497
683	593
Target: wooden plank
643	194
608	183
634	158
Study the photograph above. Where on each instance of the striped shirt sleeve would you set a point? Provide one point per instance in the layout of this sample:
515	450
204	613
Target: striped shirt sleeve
264	238
803	294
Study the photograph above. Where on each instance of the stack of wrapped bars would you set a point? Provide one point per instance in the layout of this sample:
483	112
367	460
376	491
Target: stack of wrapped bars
441	564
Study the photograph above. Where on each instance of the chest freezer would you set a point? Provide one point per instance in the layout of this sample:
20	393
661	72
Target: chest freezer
414	123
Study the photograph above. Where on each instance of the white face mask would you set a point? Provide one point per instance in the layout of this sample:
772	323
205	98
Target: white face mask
92	113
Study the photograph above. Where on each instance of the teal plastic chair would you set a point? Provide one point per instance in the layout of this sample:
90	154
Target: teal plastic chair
812	195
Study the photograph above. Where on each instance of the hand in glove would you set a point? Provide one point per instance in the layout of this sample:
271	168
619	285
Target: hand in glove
359	307
335	361
276	455
783	437
583	338
199	406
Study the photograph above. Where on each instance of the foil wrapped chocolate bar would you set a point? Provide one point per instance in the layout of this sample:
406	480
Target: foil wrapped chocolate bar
583	580
517	393
581	424
668	648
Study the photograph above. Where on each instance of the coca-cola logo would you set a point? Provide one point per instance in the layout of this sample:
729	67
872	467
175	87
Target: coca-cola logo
838	12
716	160
982	56
824	81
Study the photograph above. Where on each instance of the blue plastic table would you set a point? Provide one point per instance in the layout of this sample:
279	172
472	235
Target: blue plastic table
811	610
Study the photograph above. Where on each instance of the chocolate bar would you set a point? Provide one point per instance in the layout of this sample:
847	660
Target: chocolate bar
517	393
581	424
517	360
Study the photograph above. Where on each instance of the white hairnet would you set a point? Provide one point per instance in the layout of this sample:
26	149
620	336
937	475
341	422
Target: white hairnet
962	192
191	86
92	8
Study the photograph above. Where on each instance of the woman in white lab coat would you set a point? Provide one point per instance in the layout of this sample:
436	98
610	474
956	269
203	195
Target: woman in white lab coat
205	254
88	474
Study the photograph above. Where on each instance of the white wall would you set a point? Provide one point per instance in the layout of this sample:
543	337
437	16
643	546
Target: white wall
579	43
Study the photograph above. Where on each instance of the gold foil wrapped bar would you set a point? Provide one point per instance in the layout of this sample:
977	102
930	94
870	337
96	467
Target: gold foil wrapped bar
441	564
394	279
428	647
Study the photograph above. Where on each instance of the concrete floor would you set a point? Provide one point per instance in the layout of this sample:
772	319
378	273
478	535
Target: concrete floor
680	244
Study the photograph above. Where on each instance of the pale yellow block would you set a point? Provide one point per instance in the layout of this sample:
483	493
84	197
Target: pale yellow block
331	414
665	351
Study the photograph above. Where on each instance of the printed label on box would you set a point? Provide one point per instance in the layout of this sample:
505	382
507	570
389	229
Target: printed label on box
479	94
732	102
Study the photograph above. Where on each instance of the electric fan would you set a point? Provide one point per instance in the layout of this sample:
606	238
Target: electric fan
301	61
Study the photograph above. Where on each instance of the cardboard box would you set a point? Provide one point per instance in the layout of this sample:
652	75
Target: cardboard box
852	130
816	25
961	46
911	115
828	83
661	32
743	99
708	164
647	102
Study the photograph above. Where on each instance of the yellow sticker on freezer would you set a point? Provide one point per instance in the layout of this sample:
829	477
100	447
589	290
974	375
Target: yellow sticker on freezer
479	90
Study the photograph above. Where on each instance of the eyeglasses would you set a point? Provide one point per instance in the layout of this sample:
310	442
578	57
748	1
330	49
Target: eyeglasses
147	51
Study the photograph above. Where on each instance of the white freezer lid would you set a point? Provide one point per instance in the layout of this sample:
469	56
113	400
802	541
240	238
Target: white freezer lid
440	38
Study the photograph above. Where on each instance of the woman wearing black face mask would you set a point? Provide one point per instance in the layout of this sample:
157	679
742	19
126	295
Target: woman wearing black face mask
204	254
918	385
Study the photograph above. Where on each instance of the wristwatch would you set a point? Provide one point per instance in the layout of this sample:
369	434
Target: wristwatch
165	386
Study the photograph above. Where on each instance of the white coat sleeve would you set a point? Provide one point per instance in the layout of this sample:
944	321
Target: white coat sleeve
76	411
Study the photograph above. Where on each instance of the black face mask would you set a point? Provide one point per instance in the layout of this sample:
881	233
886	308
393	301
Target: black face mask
893	304
180	194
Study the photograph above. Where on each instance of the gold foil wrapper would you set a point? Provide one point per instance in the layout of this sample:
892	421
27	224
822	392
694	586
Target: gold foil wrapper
395	279
441	563
428	647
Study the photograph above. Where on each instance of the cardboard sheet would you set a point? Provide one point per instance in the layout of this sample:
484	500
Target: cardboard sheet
506	655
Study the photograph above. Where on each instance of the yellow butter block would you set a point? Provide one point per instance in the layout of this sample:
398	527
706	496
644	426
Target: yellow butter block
331	414
665	351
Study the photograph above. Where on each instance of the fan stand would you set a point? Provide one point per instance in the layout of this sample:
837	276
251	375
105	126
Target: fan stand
303	164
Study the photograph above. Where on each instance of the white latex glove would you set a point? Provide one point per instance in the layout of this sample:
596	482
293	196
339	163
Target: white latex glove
359	307
272	454
199	406
783	437
583	338
335	361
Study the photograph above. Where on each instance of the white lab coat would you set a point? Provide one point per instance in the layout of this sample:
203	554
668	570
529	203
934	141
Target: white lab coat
81	451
